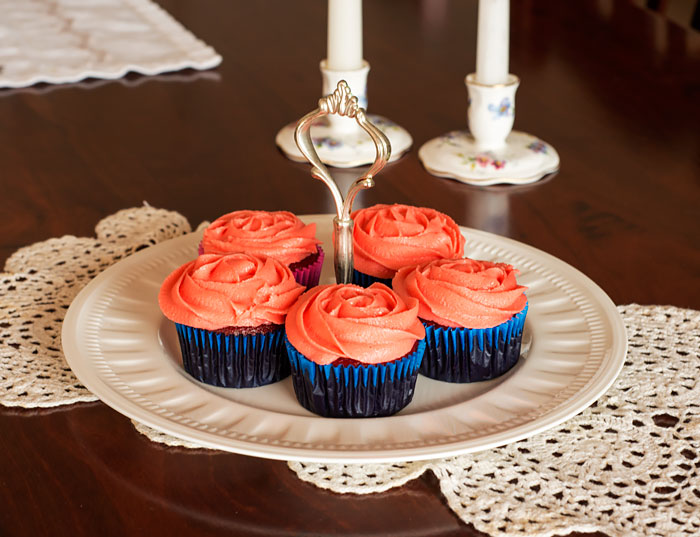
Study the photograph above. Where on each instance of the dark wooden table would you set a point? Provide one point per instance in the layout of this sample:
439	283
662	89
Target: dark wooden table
612	87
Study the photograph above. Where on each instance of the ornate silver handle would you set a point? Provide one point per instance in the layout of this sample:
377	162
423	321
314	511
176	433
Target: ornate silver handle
342	102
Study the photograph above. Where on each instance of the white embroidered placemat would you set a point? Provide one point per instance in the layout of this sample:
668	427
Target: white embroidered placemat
628	466
60	41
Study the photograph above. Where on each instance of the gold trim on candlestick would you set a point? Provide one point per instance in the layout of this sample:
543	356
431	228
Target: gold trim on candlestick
512	80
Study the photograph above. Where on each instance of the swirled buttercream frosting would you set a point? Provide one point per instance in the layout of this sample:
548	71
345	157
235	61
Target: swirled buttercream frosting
278	234
462	292
236	290
372	325
389	237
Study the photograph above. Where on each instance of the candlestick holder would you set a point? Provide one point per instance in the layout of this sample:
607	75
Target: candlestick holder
342	105
340	141
490	152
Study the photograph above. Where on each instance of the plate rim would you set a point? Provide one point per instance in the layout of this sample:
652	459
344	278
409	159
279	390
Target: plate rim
602	379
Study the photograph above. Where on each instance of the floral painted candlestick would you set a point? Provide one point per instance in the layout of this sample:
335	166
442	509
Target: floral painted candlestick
339	141
490	152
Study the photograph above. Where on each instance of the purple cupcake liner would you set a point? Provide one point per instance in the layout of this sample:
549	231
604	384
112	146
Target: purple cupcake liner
355	391
310	275
233	361
472	354
365	280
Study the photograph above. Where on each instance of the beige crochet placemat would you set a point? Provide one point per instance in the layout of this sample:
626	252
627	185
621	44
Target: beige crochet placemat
627	466
60	41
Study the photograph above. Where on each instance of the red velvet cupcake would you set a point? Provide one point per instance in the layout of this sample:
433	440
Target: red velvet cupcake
473	312
229	311
354	352
278	234
389	237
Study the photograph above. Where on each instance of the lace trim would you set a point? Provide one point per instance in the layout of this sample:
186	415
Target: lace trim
38	285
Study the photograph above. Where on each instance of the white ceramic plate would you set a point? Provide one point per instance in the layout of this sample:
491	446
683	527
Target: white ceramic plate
122	348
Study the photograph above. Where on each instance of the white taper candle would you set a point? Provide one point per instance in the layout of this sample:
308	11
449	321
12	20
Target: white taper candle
344	35
492	42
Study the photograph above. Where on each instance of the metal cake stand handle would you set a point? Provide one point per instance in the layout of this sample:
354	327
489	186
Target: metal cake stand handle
342	103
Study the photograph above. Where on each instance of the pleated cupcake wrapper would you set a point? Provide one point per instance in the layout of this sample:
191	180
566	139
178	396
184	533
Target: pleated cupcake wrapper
365	280
310	275
233	361
362	391
472	354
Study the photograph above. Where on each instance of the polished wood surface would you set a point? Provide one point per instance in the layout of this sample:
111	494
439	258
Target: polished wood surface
613	87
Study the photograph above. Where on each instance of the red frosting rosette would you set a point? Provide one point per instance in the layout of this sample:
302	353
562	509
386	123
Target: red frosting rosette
278	234
462	292
236	290
372	325
389	237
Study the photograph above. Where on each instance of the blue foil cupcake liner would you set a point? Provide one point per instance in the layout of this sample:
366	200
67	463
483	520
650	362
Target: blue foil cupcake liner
355	391
472	354
365	280
233	361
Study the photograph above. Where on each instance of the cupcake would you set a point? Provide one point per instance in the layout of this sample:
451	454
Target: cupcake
229	311
389	237
277	234
354	352
473	312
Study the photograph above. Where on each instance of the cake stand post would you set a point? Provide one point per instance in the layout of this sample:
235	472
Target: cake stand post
340	141
343	105
490	152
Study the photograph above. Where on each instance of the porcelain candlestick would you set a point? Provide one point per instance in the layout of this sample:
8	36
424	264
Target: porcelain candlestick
339	141
490	152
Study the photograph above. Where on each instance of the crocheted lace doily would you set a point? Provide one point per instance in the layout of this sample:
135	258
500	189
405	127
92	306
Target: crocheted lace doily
627	466
38	285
